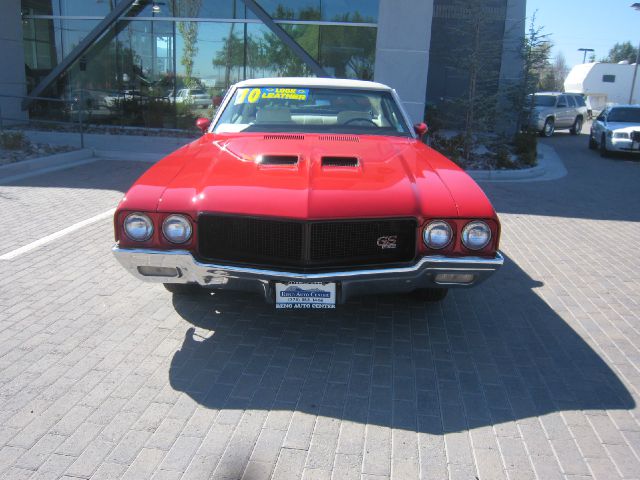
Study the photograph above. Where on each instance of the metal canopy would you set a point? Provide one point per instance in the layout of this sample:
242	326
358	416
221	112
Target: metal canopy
300	52
121	7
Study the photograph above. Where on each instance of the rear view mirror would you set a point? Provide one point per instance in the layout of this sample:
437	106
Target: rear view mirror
421	129
203	124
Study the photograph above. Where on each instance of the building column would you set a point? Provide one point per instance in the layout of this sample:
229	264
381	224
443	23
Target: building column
12	76
511	66
402	51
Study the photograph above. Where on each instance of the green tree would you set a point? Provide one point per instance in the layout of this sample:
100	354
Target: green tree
350	51
535	51
474	60
189	32
552	75
233	55
621	52
278	56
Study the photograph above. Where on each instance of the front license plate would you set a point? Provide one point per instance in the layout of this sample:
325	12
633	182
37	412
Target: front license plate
305	295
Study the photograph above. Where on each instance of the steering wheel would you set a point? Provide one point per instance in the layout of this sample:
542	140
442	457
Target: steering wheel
362	119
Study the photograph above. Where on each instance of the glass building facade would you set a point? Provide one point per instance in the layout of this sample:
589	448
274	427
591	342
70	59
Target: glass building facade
166	62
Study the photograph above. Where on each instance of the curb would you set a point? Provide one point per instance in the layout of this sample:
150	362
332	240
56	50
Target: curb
129	156
506	175
550	167
50	163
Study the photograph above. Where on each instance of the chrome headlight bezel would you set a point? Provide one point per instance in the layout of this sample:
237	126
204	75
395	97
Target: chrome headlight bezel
471	226
181	220
621	135
431	226
139	217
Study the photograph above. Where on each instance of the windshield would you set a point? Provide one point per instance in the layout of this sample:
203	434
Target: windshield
312	110
624	115
544	101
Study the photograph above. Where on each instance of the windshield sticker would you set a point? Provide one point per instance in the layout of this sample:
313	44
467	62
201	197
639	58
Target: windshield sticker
253	95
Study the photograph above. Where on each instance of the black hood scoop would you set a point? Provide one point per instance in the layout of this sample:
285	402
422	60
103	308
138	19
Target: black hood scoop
340	162
287	160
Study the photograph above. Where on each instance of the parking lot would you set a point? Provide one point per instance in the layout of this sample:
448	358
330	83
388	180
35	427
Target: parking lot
532	375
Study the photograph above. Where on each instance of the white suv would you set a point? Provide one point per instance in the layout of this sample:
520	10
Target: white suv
553	111
194	96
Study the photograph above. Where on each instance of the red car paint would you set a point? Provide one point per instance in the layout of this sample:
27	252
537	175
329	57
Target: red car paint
395	177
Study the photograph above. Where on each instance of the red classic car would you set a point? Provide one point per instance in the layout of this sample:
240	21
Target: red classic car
308	191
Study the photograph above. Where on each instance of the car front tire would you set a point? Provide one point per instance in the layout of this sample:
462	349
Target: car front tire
549	128
604	152
577	126
431	294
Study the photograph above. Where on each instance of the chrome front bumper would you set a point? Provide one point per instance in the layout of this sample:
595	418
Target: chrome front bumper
179	266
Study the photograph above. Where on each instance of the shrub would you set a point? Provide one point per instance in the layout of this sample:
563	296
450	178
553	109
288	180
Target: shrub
450	147
526	147
12	140
503	157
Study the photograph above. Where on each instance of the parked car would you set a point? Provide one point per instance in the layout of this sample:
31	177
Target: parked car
114	99
553	111
616	129
308	191
194	96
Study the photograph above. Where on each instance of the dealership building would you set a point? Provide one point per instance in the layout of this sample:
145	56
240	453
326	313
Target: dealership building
129	62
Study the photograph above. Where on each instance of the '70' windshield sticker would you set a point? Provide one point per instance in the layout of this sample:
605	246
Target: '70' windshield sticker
253	95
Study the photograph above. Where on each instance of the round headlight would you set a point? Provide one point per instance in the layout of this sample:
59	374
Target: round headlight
138	227
476	235
437	235
176	228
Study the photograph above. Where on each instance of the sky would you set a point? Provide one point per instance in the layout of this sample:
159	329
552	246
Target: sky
596	24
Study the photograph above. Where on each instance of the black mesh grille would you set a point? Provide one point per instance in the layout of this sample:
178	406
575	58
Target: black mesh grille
339	162
250	240
306	245
284	137
361	242
339	138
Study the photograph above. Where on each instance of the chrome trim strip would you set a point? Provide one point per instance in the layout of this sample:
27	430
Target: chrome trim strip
353	282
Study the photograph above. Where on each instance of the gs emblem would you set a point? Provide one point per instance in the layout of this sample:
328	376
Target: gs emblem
389	241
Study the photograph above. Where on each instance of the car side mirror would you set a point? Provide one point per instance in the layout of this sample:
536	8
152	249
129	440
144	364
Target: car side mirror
421	129
203	124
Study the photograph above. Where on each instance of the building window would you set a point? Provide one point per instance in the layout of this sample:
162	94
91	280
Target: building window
136	69
609	78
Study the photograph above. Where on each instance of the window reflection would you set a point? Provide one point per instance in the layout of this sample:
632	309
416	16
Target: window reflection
363	11
146	71
85	7
291	9
348	52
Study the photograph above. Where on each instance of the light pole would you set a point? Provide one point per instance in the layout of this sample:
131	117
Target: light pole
635	70
585	50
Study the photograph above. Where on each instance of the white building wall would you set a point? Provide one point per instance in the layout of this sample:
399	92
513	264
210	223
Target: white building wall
587	78
402	51
12	75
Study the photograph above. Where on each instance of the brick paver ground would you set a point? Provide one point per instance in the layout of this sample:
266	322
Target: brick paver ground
532	375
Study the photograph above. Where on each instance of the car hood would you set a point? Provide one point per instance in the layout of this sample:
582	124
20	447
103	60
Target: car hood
623	127
394	176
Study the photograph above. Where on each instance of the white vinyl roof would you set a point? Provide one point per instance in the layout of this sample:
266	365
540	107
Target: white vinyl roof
302	82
